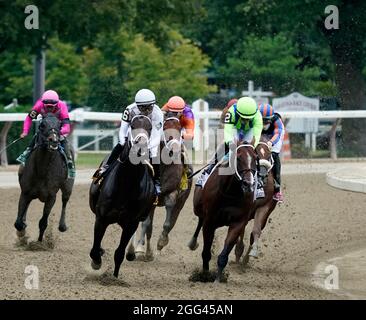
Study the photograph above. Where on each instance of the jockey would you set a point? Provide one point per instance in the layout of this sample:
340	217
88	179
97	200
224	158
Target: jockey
49	103
145	103
186	117
243	122
274	127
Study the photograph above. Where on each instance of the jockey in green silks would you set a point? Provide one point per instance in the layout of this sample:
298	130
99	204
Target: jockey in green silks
242	122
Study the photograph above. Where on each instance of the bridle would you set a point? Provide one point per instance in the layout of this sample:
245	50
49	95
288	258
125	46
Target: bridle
237	173
169	144
268	164
139	136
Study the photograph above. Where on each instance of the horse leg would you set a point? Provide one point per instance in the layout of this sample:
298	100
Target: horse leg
66	193
208	236
192	244
259	220
96	252
170	202
149	256
239	248
173	210
20	223
146	225
130	255
119	254
231	238
46	212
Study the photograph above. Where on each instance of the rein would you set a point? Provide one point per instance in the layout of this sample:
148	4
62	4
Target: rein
169	143
236	166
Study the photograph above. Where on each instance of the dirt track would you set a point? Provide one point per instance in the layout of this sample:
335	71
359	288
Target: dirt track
315	222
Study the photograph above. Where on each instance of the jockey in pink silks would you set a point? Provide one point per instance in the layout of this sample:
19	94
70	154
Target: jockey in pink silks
49	103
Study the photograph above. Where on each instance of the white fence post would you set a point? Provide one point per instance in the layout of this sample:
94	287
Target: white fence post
201	125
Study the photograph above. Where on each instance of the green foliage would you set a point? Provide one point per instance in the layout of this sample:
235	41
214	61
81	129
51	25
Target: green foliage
178	72
270	61
15	77
121	64
65	72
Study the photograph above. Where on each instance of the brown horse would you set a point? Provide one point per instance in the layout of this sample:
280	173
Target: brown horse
263	206
173	165
226	200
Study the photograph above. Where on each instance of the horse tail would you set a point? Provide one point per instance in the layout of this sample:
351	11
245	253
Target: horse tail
192	244
199	227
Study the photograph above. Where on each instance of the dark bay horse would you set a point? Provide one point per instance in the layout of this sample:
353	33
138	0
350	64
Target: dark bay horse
43	175
173	195
126	194
226	200
263	206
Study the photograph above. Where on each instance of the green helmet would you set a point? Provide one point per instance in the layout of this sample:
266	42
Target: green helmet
246	107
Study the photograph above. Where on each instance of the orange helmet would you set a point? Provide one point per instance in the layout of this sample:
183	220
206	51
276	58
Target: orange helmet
176	104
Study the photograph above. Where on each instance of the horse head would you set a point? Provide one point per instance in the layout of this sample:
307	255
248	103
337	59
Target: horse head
49	132
265	157
172	132
245	169
139	136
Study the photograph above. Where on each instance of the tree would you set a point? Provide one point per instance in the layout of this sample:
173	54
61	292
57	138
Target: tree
272	62
348	50
178	72
65	72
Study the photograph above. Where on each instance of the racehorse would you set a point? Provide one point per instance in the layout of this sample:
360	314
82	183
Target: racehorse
225	200
173	195
126	194
263	206
44	173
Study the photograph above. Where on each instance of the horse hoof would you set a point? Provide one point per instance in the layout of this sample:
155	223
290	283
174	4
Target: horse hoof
140	249
245	260
20	226
253	253
21	233
163	241
149	257
95	265
62	228
193	245
130	256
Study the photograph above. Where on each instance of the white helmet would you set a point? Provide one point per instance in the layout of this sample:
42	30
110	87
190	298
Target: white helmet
144	97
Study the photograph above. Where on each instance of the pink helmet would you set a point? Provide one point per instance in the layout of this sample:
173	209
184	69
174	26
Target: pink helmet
50	97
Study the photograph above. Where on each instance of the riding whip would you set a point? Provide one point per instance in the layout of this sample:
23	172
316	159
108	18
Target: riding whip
11	143
198	171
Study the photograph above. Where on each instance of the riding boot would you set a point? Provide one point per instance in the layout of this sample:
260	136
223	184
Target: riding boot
260	182
221	151
69	158
25	154
112	157
156	178
278	196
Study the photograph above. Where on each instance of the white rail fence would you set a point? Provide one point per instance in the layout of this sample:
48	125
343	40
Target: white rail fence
202	116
